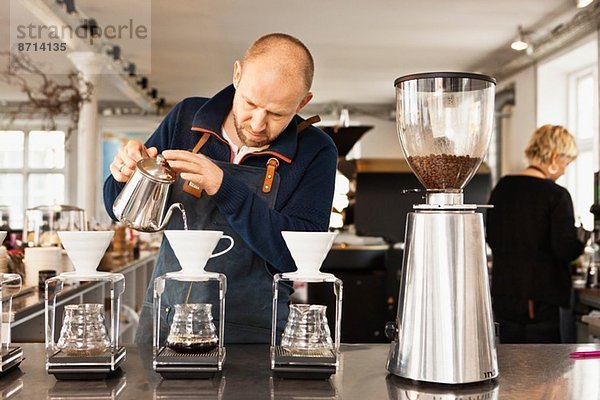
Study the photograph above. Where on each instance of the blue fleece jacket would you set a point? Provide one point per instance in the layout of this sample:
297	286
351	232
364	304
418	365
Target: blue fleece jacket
307	168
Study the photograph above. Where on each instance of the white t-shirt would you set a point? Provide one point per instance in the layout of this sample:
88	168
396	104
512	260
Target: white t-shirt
240	152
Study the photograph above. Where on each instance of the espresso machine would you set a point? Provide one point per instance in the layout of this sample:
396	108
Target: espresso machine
194	346
444	331
305	350
83	346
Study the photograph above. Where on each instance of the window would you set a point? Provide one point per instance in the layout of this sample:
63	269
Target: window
567	94
582	117
32	171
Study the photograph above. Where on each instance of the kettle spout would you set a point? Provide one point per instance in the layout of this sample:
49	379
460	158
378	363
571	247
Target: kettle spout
169	213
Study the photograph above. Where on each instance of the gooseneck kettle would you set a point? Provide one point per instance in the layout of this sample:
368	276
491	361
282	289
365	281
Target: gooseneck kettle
141	203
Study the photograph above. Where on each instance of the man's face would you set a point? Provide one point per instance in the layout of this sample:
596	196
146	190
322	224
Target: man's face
265	102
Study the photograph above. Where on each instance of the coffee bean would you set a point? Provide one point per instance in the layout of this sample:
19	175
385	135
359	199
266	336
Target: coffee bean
443	171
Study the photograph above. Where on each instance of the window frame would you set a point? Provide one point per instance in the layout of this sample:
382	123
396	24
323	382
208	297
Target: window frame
25	171
585	145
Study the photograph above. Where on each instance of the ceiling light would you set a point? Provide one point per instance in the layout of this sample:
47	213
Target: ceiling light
584	3
520	43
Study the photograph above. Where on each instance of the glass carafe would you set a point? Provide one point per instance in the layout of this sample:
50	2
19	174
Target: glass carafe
83	332
444	123
192	329
306	328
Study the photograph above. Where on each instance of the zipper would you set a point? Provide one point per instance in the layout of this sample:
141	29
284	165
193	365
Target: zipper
272	165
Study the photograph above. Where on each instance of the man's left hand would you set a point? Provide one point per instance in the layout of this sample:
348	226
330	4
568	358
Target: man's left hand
196	168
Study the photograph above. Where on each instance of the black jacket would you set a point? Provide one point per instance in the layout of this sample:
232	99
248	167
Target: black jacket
533	238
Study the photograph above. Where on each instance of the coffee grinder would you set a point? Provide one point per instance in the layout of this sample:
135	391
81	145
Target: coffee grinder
444	331
305	349
194	347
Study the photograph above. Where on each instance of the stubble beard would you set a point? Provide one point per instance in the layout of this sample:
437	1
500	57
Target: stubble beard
240	131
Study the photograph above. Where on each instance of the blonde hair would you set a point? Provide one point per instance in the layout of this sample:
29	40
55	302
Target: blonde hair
548	140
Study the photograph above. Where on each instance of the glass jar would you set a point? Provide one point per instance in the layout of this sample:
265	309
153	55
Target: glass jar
306	328
192	329
83	332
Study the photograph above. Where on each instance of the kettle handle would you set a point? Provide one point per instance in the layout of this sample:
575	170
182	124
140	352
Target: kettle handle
227	249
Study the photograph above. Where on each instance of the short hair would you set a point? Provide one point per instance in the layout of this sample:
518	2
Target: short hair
266	44
548	140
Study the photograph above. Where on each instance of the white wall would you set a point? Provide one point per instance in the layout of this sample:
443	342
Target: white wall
527	115
553	74
553	96
522	122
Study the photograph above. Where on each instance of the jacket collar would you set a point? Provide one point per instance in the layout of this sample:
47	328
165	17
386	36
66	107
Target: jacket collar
211	115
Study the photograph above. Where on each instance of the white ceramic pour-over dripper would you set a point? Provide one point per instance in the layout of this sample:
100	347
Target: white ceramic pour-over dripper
308	249
85	249
194	248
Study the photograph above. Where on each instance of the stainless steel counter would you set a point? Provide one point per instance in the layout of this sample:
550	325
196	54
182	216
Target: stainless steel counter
526	372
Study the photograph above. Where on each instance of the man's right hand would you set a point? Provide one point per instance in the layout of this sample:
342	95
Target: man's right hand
124	163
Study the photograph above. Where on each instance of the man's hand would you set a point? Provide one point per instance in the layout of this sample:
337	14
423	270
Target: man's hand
124	163
196	168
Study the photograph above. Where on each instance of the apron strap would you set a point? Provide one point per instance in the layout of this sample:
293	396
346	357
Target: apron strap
201	142
273	163
307	122
189	186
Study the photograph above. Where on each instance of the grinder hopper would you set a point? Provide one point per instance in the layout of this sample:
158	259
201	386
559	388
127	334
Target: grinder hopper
444	125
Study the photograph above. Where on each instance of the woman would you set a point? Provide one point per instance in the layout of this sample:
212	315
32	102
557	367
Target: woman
533	239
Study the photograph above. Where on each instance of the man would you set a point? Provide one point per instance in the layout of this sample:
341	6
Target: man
261	170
